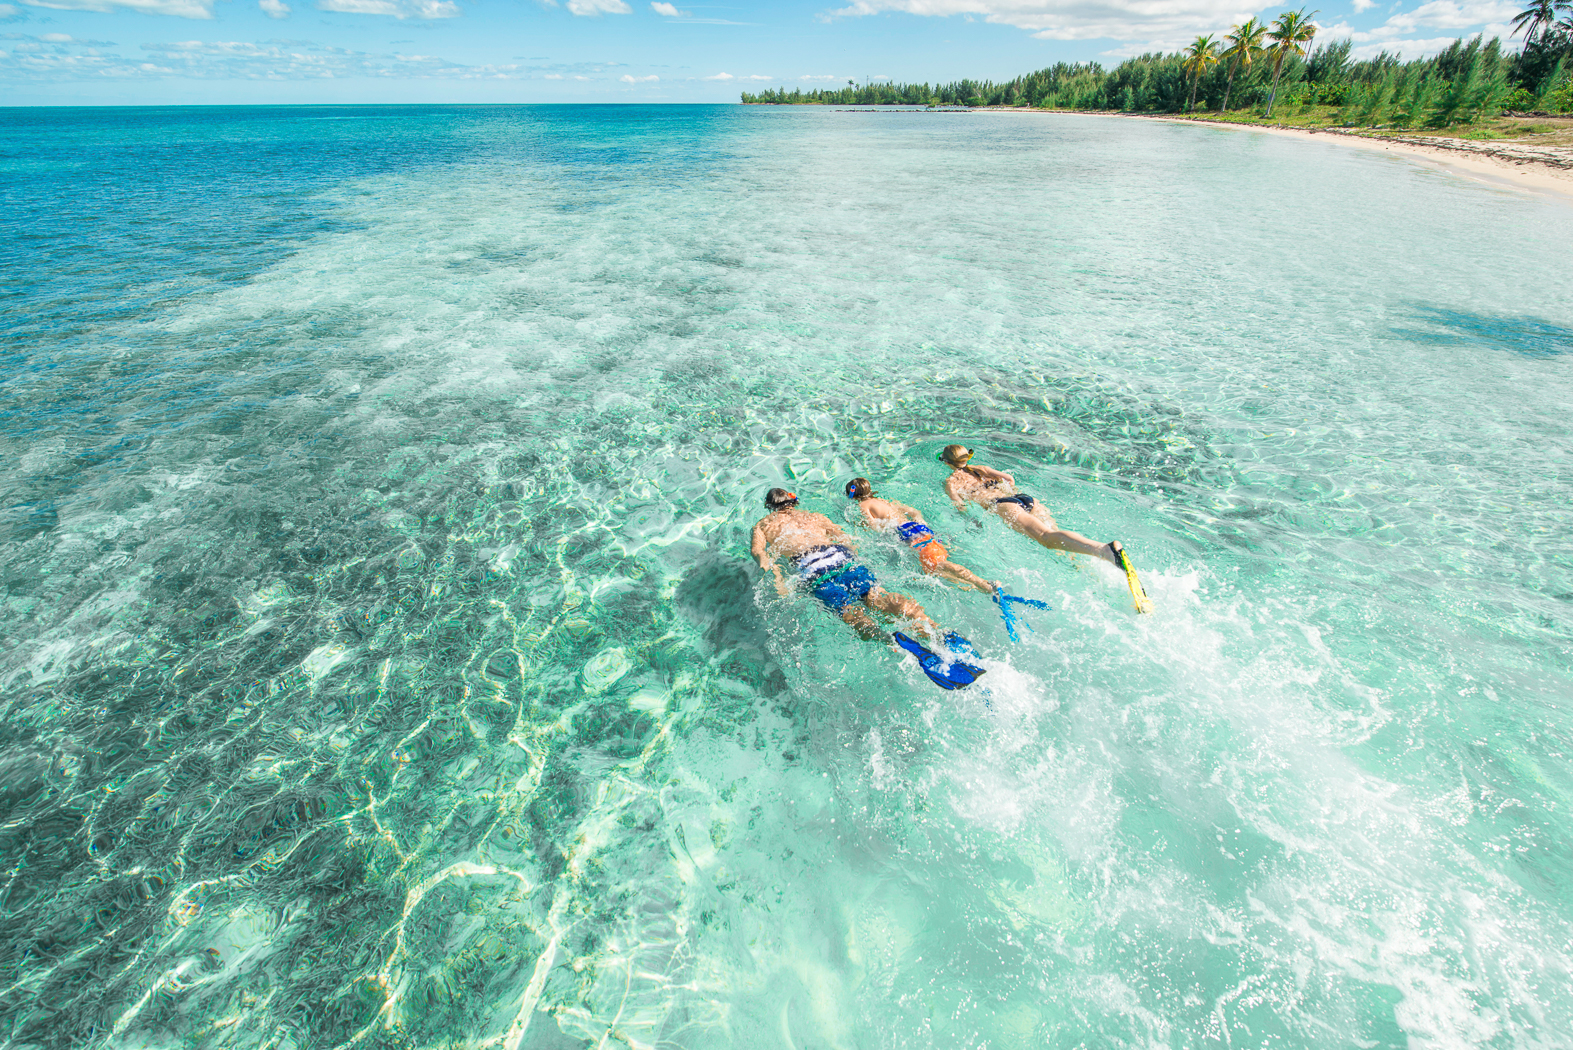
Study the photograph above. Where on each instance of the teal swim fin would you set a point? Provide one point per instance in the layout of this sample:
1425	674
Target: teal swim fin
955	675
1004	601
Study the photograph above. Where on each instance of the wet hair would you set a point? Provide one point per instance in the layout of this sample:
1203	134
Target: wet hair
780	499
956	456
859	488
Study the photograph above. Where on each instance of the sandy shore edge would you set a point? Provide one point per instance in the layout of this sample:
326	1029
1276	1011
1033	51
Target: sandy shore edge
1494	164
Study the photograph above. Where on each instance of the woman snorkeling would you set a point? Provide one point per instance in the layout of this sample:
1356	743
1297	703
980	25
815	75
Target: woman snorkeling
995	490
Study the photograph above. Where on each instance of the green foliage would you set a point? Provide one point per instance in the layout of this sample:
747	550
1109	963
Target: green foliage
1329	65
1519	100
1477	82
1554	93
1418	100
1331	94
1467	81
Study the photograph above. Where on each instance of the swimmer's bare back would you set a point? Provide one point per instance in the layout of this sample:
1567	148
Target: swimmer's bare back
789	533
886	514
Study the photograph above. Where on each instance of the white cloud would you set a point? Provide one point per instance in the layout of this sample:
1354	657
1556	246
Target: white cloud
400	9
722	76
1408	49
627	78
826	78
668	10
1075	19
1441	14
1153	25
177	8
54	43
596	8
757	76
9	10
553	76
1394	36
274	8
34	59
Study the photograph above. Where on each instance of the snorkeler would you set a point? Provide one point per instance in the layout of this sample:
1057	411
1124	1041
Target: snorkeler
821	555
995	490
907	523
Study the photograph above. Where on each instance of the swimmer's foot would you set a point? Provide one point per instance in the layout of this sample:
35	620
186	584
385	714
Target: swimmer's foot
1121	561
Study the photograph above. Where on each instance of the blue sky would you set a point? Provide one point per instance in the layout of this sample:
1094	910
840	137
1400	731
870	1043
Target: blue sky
104	52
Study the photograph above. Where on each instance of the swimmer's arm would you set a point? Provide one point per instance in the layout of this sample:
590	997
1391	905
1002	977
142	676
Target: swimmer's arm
997	475
912	513
955	497
761	554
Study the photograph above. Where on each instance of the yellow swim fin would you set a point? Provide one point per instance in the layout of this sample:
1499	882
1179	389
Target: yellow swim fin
1143	603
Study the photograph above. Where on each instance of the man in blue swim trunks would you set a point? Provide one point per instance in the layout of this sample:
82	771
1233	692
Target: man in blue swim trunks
822	559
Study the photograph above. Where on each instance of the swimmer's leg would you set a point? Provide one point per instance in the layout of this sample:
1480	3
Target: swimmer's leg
893	604
1054	539
857	618
949	570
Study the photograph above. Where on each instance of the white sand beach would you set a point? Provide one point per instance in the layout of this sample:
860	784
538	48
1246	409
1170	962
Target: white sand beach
1502	162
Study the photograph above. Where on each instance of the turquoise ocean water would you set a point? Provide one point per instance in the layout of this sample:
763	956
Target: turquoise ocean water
382	663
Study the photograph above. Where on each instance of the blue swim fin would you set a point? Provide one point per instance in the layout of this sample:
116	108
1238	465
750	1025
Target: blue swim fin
947	676
957	644
1004	601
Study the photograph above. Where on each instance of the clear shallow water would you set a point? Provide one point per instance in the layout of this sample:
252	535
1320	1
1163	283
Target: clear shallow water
383	665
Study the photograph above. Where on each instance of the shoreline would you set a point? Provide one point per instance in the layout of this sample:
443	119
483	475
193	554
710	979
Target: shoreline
1541	169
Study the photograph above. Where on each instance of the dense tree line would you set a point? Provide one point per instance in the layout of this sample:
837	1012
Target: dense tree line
1470	79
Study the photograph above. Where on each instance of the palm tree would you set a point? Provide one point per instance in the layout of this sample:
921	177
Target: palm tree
1245	43
1199	58
1540	17
1292	29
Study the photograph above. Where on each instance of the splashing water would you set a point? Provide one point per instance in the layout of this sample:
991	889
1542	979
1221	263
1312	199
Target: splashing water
384	665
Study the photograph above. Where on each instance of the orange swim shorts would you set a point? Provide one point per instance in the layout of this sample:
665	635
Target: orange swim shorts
932	554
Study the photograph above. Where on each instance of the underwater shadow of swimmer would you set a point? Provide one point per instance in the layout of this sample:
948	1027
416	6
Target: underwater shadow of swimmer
1525	336
717	596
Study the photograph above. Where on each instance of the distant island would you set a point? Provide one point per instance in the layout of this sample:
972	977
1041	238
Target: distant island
1259	67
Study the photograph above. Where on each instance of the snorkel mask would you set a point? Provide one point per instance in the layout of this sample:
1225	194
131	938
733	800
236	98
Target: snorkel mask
780	499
